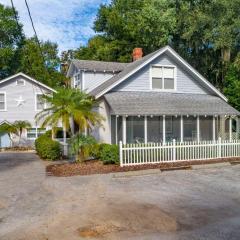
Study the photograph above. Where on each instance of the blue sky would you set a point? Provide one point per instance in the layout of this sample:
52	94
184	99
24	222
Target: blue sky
68	23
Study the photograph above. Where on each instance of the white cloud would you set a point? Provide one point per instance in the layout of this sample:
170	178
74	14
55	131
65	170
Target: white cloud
68	23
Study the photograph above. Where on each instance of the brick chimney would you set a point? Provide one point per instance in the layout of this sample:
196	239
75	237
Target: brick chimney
137	54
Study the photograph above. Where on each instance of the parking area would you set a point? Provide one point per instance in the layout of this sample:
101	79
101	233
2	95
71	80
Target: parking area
193	204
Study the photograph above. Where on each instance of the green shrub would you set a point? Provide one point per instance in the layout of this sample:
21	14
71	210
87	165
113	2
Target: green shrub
81	146
96	149
109	154
47	148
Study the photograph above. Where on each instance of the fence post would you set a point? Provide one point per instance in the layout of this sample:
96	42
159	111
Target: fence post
120	153
174	150
219	147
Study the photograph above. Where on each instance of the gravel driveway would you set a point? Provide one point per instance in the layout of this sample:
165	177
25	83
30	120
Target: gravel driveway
193	204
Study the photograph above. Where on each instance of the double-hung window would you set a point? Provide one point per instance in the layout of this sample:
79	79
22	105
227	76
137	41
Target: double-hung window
3	105
40	102
78	80
33	133
163	77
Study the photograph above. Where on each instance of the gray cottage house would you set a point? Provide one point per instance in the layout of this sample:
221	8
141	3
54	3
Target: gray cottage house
20	99
155	98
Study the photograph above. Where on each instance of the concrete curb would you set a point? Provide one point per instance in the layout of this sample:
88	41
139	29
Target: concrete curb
189	167
210	165
136	173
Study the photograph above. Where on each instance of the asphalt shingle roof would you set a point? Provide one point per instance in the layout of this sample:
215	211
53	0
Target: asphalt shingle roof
127	69
99	65
159	103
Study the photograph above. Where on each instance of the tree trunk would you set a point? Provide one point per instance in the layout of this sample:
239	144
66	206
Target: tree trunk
226	54
72	126
64	134
53	133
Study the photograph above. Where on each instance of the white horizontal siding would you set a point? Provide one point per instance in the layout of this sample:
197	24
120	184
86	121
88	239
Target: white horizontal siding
27	110
92	80
140	81
103	133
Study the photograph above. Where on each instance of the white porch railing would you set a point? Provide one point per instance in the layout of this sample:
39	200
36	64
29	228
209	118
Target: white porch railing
137	154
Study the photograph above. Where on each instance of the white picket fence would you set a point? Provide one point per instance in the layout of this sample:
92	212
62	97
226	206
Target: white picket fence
150	153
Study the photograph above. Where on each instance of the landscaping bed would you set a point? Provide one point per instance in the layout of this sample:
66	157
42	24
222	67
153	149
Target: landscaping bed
97	167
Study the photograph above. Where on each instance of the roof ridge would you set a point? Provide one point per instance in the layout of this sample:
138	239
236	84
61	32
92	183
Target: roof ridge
99	61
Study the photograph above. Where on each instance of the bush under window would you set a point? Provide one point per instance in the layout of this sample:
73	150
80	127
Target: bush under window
47	148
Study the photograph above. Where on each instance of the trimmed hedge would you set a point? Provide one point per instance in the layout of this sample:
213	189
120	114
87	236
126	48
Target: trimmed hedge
47	148
95	150
107	153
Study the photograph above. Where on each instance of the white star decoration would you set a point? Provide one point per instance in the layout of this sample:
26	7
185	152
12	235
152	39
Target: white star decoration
20	101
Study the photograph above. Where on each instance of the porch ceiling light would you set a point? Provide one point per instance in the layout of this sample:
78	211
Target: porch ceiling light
139	116
187	116
151	116
205	115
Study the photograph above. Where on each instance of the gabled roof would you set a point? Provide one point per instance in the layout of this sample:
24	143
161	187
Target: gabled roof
20	74
5	122
162	103
97	66
133	67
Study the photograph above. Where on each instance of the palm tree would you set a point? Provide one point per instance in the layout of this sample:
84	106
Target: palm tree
9	129
20	126
69	104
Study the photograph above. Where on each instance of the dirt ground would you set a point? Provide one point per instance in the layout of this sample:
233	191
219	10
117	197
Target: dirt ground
195	204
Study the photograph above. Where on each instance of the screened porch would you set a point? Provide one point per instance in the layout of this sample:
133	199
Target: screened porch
166	128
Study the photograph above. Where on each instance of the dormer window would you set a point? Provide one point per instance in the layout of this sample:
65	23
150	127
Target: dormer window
163	77
78	80
20	82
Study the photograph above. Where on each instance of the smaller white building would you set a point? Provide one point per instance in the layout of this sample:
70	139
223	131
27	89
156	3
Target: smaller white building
20	99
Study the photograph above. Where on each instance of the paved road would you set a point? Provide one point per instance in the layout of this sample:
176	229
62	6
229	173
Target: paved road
197	204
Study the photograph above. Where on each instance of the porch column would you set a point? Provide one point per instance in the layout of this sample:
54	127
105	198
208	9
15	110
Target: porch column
198	129
181	128
237	126
214	129
116	129
222	127
145	129
230	128
164	129
124	130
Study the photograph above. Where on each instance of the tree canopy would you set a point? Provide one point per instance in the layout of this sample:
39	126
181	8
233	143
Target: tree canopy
204	32
18	53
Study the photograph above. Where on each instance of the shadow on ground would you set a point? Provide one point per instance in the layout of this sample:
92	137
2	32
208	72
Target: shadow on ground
9	161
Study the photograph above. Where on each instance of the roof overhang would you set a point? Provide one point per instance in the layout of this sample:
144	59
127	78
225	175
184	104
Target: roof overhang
156	103
157	54
20	74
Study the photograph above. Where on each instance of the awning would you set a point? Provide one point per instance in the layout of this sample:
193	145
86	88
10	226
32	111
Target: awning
159	103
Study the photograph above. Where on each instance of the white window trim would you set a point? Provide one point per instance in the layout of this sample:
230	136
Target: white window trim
5	101
82	80
175	78
45	104
36	133
24	82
